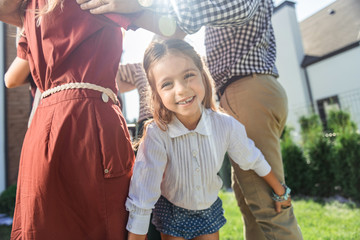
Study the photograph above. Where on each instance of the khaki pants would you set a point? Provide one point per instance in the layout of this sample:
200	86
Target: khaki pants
259	102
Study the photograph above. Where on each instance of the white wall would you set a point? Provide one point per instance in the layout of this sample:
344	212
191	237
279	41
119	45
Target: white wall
2	110
290	54
338	75
334	75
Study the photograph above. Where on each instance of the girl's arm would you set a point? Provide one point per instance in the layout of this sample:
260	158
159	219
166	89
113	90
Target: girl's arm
10	12
243	151
18	73
278	189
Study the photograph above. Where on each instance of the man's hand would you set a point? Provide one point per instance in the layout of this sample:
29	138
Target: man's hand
106	6
10	12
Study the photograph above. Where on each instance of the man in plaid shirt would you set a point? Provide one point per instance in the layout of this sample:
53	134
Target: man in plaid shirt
241	52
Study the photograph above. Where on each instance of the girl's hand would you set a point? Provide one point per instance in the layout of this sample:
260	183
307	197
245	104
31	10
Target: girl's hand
282	205
107	6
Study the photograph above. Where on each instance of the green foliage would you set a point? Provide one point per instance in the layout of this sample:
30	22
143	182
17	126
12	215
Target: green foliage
347	163
321	156
332	161
311	129
7	200
297	171
339	122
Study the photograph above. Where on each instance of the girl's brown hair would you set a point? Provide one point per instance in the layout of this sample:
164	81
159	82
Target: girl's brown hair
156	51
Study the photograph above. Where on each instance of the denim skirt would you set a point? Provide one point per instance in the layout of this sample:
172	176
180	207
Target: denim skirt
180	222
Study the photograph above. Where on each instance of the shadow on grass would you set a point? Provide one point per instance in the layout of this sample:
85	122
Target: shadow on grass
5	232
334	200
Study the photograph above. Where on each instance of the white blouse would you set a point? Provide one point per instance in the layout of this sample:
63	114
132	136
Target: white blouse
183	165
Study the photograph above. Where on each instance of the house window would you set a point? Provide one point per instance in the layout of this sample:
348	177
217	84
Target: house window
326	105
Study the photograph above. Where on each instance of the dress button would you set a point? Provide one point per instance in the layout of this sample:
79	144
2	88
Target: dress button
105	97
106	171
198	187
197	169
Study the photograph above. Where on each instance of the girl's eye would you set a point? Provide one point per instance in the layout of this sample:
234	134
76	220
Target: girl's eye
189	75
165	84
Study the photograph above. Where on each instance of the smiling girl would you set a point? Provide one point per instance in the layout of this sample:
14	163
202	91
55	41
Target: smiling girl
183	149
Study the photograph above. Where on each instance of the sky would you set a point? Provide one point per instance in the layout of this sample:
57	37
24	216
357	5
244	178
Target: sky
135	43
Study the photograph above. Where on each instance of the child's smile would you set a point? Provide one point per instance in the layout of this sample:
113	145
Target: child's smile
180	86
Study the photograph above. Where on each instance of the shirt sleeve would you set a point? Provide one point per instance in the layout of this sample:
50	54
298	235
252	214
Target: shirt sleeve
22	48
191	15
127	73
145	183
124	21
243	151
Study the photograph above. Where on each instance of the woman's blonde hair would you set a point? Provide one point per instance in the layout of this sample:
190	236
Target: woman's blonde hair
156	51
48	8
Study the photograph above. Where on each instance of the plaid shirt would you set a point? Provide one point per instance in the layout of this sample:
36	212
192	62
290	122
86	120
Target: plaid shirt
239	36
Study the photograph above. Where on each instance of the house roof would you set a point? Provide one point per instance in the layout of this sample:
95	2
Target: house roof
333	28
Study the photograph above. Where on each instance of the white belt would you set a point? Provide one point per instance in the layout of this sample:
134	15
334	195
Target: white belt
106	92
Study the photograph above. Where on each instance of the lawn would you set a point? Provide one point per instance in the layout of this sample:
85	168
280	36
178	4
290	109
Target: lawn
318	220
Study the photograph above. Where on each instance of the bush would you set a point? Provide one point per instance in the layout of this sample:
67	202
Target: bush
348	164
322	166
296	168
346	142
339	122
7	200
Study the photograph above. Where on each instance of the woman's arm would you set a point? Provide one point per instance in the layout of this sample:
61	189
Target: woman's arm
133	236
148	20
17	73
10	12
191	15
158	24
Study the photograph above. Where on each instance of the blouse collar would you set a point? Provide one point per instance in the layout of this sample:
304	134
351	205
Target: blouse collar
176	128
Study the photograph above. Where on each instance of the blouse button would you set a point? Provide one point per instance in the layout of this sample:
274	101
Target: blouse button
197	169
194	153
198	187
106	171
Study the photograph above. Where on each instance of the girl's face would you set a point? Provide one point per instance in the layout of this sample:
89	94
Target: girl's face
180	86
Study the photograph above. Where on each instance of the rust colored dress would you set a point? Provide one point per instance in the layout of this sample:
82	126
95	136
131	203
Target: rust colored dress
76	161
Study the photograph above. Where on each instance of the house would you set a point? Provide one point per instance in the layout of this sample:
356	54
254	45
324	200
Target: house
319	59
15	105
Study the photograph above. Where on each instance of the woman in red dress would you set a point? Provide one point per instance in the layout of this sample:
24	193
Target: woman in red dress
77	159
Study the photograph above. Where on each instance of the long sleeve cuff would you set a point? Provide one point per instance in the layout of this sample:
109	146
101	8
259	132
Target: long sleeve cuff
138	224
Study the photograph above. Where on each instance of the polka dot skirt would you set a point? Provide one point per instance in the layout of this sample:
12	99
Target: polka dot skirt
180	222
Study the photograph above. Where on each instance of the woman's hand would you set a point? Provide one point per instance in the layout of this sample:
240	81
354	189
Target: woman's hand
107	6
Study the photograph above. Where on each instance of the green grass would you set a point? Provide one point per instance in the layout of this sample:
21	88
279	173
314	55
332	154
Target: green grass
318	220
